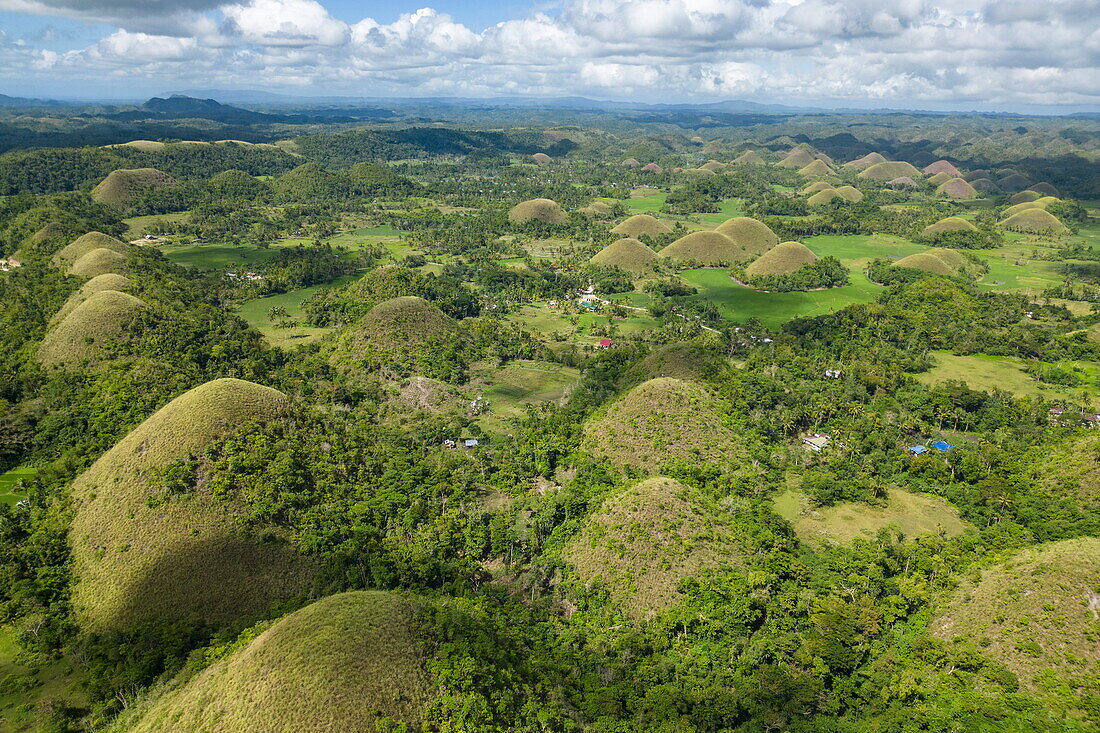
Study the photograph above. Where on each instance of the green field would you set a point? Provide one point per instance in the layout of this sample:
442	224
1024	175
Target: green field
645	204
988	373
726	210
913	514
8	492
25	683
512	387
255	312
542	321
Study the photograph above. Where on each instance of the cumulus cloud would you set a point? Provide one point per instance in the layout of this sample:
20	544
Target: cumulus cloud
890	51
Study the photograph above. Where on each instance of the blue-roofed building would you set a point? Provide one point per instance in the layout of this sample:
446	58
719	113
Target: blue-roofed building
942	445
917	449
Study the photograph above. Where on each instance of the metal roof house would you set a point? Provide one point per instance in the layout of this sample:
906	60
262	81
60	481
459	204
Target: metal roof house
917	449
942	445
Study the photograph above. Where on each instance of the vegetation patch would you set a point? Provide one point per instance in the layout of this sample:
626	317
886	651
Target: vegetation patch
121	188
99	283
93	331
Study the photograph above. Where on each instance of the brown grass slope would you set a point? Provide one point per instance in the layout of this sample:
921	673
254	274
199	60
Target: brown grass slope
976	174
902	182
1045	189
927	262
679	361
99	262
941	166
938	178
1036	611
890	170
984	185
596	210
816	169
957	188
627	254
783	258
544	210
1072	469
823	197
815	187
185	558
797	158
542	158
952	258
751	235
343	663
640	224
107	281
861	164
1022	206
749	157
714	166
1034	221
641	542
949	224
709	248
1014	182
659	419
397	323
121	187
1024	197
86	243
850	194
91	332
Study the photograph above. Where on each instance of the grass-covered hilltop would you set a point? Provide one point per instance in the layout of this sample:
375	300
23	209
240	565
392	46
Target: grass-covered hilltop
466	418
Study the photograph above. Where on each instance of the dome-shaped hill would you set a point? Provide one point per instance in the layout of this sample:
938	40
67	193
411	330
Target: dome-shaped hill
752	236
659	420
1024	197
902	182
926	262
145	146
941	166
652	168
640	224
399	322
957	188
92	331
85	243
698	172
749	157
824	157
626	254
52	232
823	197
679	361
344	663
984	185
1023	206
816	169
99	262
797	158
544	210
815	187
631	163
107	281
976	174
937	178
782	259
850	194
183	556
1034	221
889	170
950	257
542	158
644	540
860	164
714	166
1014	182
709	248
596	210
121	187
1045	189
1046	201
949	224
1036	611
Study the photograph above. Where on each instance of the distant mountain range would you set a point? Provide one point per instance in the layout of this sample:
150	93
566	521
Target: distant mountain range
179	107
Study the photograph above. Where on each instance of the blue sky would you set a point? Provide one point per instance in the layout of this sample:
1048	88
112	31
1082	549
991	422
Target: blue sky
950	54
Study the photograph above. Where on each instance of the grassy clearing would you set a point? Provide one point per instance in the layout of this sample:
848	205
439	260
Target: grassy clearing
26	685
511	388
578	328
255	312
1006	373
726	210
10	493
913	514
139	226
645	204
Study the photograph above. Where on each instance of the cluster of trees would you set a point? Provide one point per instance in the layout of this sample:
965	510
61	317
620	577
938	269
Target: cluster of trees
826	272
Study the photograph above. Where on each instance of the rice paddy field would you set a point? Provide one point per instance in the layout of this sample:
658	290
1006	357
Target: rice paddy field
256	313
9	492
987	373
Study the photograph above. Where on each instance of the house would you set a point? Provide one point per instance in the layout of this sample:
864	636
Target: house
1091	420
917	449
470	443
832	373
606	343
253	276
816	441
943	446
448	443
1056	412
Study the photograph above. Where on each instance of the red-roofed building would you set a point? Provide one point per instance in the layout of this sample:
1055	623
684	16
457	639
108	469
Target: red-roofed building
606	343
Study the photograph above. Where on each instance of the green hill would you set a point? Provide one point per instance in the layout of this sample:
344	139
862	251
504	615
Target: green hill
640	224
141	552
948	224
392	334
86	243
1036	611
657	420
347	662
984	185
714	166
957	188
938	178
816	169
544	210
815	187
797	158
122	187
709	248
782	259
100	262
1022	206
749	157
1034	221
107	281
679	361
823	197
850	194
1014	182
861	164
627	254
642	541
596	210
890	170
92	331
752	236
1024	197
927	262
1045	189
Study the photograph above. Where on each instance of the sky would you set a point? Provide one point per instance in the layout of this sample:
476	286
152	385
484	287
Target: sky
1014	55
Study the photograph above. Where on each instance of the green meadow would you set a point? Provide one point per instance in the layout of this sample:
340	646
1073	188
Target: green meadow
9	493
255	312
1006	373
